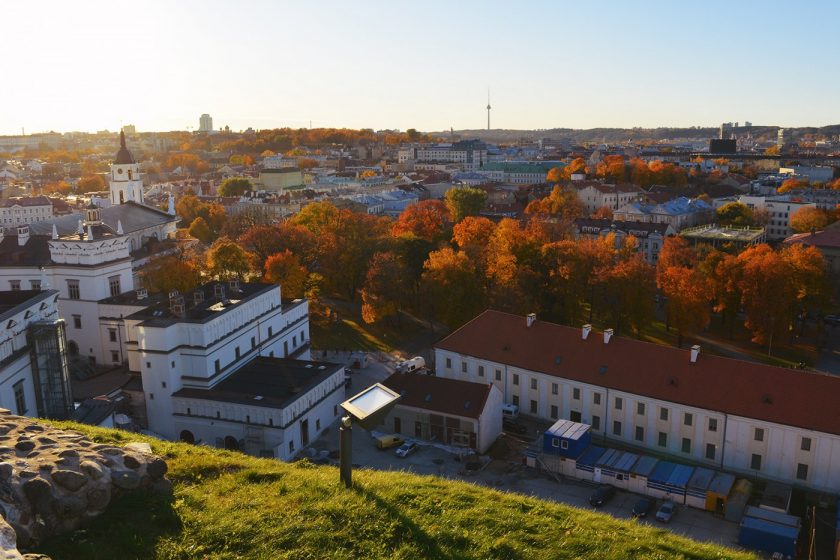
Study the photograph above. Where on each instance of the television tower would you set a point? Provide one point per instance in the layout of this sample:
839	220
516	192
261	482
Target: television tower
488	108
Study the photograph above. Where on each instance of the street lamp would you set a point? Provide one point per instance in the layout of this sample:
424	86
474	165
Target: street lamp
367	409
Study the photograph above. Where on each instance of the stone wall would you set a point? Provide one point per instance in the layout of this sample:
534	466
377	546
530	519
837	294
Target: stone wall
53	481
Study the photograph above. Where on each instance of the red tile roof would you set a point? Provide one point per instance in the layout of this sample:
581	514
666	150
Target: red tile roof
438	394
784	396
826	239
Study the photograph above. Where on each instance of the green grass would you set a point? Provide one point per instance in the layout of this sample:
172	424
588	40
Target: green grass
228	505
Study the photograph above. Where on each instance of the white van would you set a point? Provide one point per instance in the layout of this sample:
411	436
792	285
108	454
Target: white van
409	366
510	411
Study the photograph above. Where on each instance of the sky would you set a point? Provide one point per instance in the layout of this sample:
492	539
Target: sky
399	64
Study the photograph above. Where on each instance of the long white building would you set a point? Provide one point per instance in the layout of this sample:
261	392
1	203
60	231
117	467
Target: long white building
757	420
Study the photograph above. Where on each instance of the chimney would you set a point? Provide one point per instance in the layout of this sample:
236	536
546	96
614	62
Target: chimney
23	235
608	335
585	330
531	318
695	351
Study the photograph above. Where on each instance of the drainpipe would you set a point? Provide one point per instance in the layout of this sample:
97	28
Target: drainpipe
723	443
506	383
606	413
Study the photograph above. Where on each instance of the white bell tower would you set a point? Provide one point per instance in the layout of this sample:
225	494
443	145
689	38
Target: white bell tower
126	184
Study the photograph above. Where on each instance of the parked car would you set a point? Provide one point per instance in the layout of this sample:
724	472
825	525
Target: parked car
407	449
388	441
510	411
515	427
666	511
602	495
643	506
832	320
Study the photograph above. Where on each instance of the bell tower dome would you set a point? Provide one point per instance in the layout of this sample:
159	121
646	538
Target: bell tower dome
125	182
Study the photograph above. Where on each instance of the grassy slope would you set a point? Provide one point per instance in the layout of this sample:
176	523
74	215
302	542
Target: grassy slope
229	505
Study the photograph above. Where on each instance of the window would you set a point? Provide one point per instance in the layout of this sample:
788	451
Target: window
712	424
564	444
73	289
663	414
14	285
802	471
533	406
114	285
759	434
481	371
640	409
271	421
688	419
148	365
335	410
163	384
247	418
291	446
555	388
596	398
77	321
533	384
238	353
514	400
464	367
318	424
575	416
710	451
294	341
806	444
218	366
755	462
640	433
270	332
189	412
498	375
35	284
301	337
151	396
555	442
616	428
576	394
449	363
253	342
554	412
115	356
619	403
686	445
516	379
596	422
218	414
20	397
112	335
663	439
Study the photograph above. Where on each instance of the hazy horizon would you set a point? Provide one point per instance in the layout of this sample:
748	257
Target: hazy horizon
426	66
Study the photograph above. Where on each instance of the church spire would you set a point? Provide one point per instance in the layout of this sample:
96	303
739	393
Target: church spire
122	138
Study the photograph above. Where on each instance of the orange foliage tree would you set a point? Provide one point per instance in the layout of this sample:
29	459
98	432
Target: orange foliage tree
383	292
425	219
809	218
285	269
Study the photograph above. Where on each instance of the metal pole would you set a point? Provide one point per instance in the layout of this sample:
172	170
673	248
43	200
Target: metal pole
345	451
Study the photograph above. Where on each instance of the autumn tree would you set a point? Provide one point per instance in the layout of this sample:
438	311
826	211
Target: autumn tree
227	260
189	207
578	165
629	290
603	213
383	292
792	184
425	219
264	240
554	175
676	252
809	218
464	201
768	292
453	289
562	204
285	269
171	272
689	293
201	231
90	183
235	186
56	187
472	235
735	214
612	168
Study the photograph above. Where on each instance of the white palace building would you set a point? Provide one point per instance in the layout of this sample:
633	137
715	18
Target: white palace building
762	421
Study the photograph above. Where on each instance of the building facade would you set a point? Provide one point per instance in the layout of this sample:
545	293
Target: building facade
24	211
649	237
749	418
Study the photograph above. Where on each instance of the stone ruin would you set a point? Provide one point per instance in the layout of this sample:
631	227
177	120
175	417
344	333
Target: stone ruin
52	481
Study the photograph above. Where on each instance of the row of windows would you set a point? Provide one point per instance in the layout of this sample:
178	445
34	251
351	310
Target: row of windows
14	285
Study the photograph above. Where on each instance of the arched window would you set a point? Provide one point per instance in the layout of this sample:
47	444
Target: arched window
187	436
231	443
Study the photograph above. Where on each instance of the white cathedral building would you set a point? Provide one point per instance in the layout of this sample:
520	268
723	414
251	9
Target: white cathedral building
88	258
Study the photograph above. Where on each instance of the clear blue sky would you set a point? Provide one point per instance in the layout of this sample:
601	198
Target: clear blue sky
399	64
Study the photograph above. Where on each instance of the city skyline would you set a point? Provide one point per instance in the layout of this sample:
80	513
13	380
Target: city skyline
425	66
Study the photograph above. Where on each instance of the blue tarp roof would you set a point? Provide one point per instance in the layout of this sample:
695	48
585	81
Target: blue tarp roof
770	528
645	465
591	455
773	516
702	479
672	474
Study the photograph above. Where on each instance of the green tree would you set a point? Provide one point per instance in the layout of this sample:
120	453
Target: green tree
464	201
235	186
201	231
227	260
735	214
